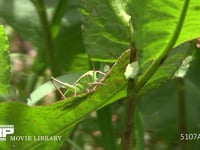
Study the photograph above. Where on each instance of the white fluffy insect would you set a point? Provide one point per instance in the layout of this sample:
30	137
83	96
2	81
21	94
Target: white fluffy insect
131	70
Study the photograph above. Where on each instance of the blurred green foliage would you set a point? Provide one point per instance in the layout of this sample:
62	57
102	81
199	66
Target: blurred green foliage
62	38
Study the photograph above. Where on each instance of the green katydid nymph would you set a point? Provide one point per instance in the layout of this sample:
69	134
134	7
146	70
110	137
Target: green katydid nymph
84	84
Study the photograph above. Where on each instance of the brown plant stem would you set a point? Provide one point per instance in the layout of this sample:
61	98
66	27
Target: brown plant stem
129	118
131	105
182	111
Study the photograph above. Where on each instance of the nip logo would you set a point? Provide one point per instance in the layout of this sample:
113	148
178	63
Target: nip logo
5	130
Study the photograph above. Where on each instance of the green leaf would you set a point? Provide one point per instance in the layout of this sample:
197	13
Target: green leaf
161	113
60	117
5	74
105	28
168	68
70	50
158	28
190	28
